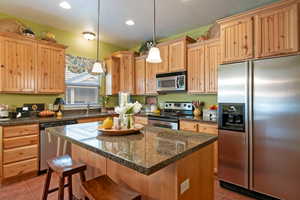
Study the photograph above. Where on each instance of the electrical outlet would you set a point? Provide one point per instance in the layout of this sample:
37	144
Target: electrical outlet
184	186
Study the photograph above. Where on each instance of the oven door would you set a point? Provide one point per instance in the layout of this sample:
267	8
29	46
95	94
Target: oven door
163	124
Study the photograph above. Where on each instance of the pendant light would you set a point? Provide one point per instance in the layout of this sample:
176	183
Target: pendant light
154	53
97	68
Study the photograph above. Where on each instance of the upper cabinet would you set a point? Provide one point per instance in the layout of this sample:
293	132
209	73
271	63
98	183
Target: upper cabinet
174	55
51	69
31	66
237	39
18	65
212	61
163	67
263	32
151	71
126	70
140	75
276	31
112	76
203	62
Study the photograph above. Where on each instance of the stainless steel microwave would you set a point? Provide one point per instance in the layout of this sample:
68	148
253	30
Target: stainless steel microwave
171	82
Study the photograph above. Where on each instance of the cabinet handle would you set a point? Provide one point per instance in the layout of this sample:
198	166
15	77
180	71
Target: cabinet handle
2	66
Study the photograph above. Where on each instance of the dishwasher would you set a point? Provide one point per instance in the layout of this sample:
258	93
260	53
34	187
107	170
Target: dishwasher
50	145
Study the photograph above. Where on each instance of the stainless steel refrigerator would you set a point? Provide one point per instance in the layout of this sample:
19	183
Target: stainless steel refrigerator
265	157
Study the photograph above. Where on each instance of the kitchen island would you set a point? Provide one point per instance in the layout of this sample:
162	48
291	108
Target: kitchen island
159	163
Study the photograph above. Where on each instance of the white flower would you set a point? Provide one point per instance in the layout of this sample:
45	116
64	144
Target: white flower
129	108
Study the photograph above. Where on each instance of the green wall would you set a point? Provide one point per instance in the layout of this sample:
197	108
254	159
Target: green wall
77	45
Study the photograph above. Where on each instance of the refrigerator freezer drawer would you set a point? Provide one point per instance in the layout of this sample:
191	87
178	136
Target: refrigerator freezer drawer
233	157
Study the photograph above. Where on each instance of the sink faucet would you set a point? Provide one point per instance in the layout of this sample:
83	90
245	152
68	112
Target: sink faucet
88	108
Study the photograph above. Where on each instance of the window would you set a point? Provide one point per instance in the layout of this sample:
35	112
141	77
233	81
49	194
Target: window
82	87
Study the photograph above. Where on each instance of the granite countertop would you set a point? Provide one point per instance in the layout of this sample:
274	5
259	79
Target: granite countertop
35	120
151	150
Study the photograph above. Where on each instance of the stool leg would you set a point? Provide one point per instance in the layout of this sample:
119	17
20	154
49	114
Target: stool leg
47	184
70	187
61	188
82	176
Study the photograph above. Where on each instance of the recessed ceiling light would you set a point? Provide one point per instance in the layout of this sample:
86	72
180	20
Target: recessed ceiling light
65	5
130	22
89	35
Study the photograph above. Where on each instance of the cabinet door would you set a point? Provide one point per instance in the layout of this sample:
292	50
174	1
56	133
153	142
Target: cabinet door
151	69
51	69
140	79
212	61
277	31
164	54
112	76
18	65
237	40
127	73
196	64
177	56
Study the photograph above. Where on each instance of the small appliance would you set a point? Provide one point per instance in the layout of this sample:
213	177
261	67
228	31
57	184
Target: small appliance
209	115
171	82
4	112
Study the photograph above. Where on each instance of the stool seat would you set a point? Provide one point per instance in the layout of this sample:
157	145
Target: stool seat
103	188
64	165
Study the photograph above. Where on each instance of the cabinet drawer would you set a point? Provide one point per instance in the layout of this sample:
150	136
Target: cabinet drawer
21	153
15	131
141	120
19	168
9	143
95	119
188	126
207	129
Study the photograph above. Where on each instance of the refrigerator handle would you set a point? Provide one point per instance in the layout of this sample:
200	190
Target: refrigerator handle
250	122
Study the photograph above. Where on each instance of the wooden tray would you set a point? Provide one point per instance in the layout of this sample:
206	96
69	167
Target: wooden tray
115	132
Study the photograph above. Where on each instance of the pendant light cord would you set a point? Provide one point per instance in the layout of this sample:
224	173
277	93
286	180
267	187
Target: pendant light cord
154	22
98	30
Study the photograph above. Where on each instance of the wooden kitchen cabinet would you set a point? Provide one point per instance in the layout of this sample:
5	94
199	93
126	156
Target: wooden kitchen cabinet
177	56
18	65
203	62
126	70
196	69
19	151
31	66
276	31
51	69
140	75
151	70
112	86
212	61
203	127
237	39
163	67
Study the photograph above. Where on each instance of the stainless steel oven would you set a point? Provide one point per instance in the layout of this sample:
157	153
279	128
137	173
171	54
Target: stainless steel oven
163	122
171	82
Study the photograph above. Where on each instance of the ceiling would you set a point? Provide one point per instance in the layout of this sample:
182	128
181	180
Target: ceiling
173	16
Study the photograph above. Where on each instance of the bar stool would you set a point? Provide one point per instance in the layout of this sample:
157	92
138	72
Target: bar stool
64	166
103	188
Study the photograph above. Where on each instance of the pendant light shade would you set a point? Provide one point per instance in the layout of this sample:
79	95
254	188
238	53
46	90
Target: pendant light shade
154	53
97	68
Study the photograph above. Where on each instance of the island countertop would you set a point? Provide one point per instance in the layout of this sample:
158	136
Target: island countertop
151	150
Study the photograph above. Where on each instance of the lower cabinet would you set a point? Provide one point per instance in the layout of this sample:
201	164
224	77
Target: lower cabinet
203	127
19	148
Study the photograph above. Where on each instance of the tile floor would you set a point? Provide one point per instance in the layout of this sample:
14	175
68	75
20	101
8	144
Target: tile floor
31	189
